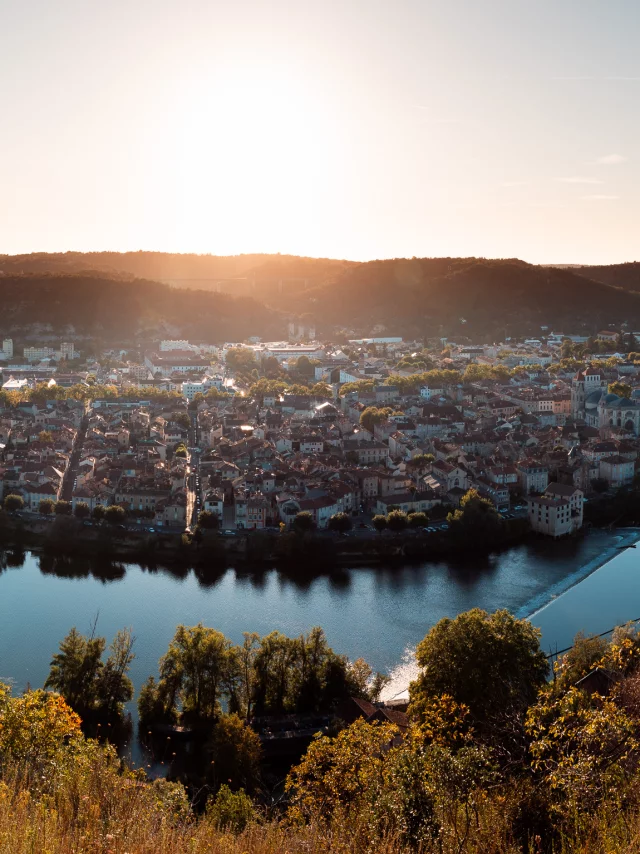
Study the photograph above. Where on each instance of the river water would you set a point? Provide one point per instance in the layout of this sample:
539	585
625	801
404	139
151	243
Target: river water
379	614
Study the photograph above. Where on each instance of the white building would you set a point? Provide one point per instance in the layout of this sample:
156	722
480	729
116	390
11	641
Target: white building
35	354
533	477
617	471
173	344
7	349
558	512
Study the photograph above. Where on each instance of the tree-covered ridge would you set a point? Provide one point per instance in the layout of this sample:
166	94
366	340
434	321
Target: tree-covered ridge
411	296
111	307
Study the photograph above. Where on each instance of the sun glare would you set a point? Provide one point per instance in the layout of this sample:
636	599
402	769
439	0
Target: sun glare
252	153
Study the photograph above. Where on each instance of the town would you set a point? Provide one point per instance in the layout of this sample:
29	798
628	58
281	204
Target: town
348	437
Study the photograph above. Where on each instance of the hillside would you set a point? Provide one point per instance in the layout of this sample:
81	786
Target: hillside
116	309
625	276
431	295
97	293
241	275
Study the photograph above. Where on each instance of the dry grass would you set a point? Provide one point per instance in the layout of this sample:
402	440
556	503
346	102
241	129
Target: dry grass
84	804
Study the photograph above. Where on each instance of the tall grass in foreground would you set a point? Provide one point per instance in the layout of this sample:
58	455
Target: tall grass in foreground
86	805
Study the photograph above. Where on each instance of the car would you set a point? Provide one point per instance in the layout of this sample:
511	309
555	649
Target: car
151	530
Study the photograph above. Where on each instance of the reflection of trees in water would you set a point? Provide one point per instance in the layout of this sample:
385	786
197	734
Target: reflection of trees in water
12	558
64	566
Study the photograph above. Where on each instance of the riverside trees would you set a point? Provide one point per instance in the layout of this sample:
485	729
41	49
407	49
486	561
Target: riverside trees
203	671
95	689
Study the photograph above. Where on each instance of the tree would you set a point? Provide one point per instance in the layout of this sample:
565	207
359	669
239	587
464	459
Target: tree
198	665
75	670
476	522
580	744
115	688
46	506
303	522
273	664
379	523
340	523
208	521
345	771
373	415
63	508
45	437
82	510
98	512
181	451
235	753
620	388
13	503
34	726
584	655
417	520
240	359
304	367
599	484
397	521
114	514
490	663
230	811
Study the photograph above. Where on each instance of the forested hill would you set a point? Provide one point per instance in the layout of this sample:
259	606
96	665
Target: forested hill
418	296
116	308
482	296
247	275
625	276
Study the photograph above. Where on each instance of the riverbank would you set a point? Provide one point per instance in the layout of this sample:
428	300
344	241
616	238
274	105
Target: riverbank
317	552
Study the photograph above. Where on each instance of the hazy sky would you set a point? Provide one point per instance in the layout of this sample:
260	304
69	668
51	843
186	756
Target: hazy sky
344	128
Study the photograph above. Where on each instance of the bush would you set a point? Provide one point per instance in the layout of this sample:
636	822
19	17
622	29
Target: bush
12	503
231	811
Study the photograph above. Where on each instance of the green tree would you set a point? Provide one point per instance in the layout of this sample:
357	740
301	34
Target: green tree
208	521
63	508
585	654
235	753
303	522
46	507
373	415
274	661
620	388
98	512
114	514
397	521
181	451
379	523
199	664
45	437
230	811
82	510
13	503
340	523
418	519
477	521
75	670
490	663
240	359
114	687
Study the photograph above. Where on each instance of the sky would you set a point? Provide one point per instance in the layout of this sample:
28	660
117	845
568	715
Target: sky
355	129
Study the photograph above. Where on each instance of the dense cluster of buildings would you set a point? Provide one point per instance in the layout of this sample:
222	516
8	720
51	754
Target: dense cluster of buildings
541	439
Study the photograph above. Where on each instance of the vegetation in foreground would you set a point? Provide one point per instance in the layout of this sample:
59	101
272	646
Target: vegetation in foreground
496	759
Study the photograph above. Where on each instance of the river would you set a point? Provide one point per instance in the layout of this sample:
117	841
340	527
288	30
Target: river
379	614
